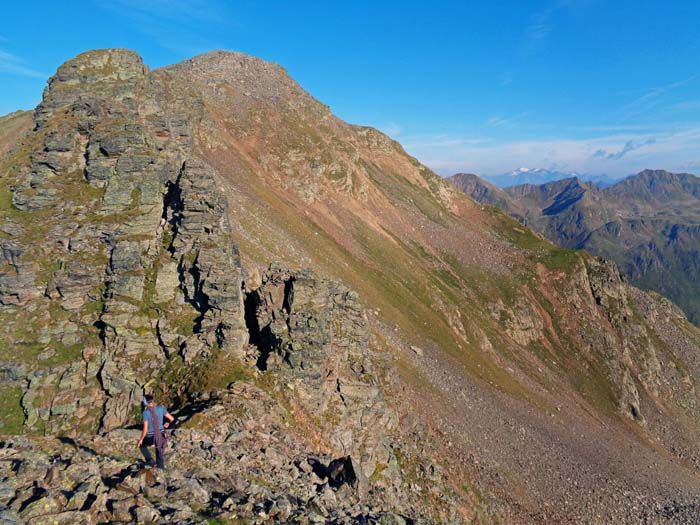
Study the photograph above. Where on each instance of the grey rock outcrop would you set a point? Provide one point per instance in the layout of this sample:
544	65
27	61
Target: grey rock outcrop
136	263
312	333
303	435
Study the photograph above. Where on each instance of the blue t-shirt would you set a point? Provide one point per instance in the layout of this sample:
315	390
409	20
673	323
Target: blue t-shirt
160	414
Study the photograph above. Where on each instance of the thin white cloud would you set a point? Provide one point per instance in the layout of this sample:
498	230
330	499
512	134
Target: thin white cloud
686	105
203	10
544	22
690	165
651	99
540	27
441	141
505	80
499	122
538	31
602	128
14	65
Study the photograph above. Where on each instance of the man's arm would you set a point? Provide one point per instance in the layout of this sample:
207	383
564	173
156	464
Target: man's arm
169	418
144	431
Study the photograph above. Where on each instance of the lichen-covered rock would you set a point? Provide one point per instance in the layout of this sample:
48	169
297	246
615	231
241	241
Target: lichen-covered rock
109	184
208	260
312	334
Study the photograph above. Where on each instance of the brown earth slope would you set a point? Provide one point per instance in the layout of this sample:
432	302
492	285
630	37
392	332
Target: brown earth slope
530	384
12	127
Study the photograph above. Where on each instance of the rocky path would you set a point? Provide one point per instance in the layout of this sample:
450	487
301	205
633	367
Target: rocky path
68	482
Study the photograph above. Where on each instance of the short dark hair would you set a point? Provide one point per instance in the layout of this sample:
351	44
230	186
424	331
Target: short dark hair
149	398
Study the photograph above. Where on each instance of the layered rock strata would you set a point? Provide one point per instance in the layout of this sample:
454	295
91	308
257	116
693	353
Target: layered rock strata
119	251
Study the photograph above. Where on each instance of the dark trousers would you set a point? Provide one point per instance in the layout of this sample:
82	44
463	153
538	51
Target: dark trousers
148	441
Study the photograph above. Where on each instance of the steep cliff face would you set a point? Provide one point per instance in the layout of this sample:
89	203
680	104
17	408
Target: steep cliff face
312	332
119	255
412	355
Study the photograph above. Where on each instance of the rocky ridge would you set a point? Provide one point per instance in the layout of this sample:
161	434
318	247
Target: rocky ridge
142	290
130	267
252	452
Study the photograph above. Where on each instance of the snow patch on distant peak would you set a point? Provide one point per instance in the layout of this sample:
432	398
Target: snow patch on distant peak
524	175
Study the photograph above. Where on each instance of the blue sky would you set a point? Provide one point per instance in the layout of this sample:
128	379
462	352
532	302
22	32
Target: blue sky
579	85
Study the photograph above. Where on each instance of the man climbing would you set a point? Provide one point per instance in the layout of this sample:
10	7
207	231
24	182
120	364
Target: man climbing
153	418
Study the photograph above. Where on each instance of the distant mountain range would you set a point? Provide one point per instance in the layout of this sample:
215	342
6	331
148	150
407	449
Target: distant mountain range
648	223
542	176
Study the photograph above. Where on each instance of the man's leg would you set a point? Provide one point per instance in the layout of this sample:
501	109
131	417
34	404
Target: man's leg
147	442
160	460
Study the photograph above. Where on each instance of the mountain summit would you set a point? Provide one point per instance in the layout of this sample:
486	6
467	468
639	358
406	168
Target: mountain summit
342	336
